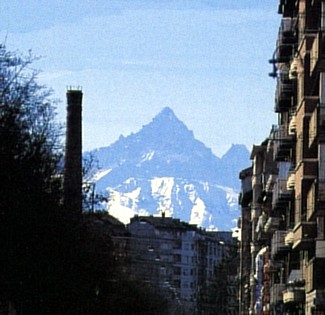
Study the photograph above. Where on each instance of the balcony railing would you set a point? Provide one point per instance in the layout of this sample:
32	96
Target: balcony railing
291	182
278	245
283	143
252	280
286	40
292	125
304	234
275	265
281	194
277	293
296	278
272	224
289	239
295	296
256	180
270	183
321	190
321	119
321	168
283	96
284	92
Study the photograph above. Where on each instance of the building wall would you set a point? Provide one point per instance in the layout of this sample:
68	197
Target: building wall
293	223
177	256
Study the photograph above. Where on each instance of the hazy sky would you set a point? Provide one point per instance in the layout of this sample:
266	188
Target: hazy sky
205	59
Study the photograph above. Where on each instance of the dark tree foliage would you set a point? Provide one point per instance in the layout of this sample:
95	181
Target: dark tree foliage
50	263
29	186
110	288
215	296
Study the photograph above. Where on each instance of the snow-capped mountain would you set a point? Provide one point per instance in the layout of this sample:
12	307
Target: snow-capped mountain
163	168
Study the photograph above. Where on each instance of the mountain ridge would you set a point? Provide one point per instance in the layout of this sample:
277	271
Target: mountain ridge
163	167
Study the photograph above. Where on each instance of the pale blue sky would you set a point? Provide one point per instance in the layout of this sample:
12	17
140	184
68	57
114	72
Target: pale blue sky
205	59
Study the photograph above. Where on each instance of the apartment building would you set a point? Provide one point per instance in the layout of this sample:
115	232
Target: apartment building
178	257
245	199
283	212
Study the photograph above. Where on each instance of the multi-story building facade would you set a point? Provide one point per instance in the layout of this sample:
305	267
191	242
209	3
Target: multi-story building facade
178	257
245	199
287	200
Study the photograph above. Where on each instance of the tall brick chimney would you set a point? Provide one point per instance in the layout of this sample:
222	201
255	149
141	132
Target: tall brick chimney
72	184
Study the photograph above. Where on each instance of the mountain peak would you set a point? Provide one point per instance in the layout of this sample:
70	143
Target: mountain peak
163	167
167	111
167	116
234	160
236	150
166	127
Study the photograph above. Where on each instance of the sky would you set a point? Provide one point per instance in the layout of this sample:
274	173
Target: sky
205	59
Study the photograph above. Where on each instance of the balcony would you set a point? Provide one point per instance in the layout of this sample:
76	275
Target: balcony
255	213
278	246
245	199
295	68
321	190
275	265
321	119
315	274
270	183
252	280
286	7
292	125
254	248
284	92
256	180
277	293
272	224
283	143
285	41
281	195
293	296
291	182
304	234
289	239
296	278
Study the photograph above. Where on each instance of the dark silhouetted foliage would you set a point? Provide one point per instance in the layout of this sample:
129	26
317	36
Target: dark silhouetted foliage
50	262
31	219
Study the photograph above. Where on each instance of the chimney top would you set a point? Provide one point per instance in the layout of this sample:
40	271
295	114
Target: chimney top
74	89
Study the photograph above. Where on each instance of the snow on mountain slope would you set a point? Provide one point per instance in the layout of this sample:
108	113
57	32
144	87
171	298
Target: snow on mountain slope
164	169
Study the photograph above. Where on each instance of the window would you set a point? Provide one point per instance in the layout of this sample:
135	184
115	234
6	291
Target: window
186	246
164	246
177	271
